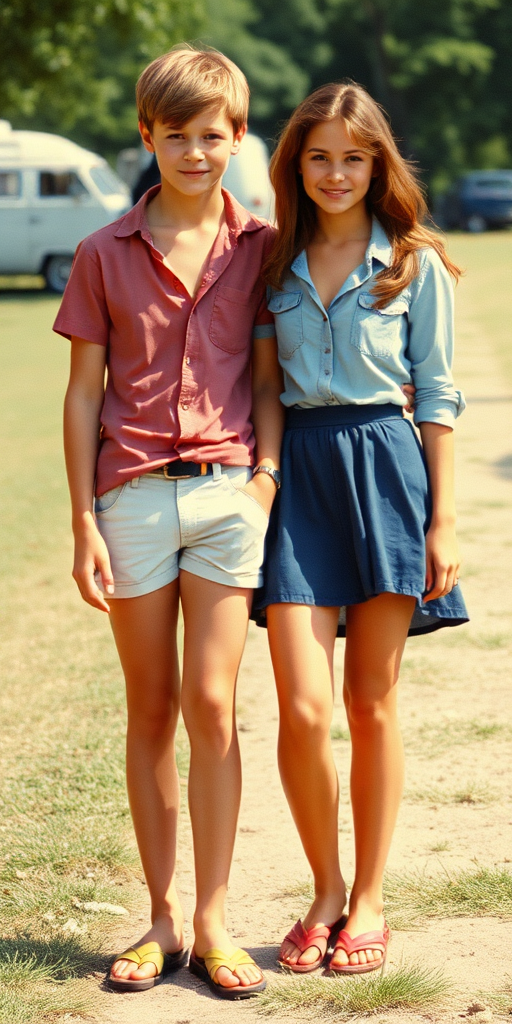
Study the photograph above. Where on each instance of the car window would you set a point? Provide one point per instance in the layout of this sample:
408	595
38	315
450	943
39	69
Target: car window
65	183
10	184
492	182
106	181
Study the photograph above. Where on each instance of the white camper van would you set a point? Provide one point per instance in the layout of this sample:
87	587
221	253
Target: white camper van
52	194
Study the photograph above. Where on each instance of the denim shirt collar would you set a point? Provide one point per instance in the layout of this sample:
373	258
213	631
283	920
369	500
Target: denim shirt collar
379	249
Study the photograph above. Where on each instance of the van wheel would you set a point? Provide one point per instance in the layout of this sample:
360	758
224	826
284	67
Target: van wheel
476	223
57	270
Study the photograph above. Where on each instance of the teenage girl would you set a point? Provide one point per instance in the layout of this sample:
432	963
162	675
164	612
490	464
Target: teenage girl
362	539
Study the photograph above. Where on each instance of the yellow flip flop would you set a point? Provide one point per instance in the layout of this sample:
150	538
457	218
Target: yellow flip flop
147	953
206	968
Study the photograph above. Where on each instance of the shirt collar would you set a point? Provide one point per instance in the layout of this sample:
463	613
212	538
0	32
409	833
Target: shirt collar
379	247
238	220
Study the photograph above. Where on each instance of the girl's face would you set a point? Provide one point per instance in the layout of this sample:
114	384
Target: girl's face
336	173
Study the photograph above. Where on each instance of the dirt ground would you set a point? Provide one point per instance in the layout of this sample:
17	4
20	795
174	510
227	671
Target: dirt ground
452	682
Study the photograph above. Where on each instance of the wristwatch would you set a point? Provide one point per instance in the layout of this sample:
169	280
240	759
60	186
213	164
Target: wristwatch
274	473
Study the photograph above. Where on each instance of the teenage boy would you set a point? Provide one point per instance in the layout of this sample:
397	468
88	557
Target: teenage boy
168	300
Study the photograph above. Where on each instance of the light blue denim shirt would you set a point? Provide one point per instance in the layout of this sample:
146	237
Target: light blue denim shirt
352	353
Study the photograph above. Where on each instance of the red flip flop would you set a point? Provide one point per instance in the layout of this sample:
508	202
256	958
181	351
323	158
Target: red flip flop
368	940
303	938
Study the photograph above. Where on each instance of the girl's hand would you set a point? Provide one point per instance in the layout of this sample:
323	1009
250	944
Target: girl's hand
263	489
91	555
442	561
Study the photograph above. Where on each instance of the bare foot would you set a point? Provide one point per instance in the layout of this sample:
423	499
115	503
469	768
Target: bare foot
362	918
218	938
168	932
324	910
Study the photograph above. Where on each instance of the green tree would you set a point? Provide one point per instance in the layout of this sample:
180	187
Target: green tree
69	66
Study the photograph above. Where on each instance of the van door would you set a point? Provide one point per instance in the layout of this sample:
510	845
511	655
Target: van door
14	243
63	212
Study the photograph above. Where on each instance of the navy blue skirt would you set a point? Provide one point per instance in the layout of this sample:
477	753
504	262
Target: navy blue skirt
350	519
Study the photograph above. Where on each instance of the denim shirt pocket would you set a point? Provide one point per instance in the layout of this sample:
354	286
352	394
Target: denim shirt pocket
232	319
379	332
287	310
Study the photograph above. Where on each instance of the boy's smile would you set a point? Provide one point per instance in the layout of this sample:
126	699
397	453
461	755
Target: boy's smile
193	157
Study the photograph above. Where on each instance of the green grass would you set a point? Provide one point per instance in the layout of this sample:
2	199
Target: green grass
437	736
470	794
480	296
415	897
343	999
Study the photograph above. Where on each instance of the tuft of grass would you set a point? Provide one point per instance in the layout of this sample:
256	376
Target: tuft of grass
438	736
43	979
345	998
440	847
472	793
339	733
500	1002
415	897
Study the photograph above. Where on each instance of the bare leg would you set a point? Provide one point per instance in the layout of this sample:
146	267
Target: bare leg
302	645
376	634
145	634
216	618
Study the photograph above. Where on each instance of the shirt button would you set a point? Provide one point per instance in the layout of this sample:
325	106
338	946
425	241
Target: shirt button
327	373
327	350
187	360
184	405
324	317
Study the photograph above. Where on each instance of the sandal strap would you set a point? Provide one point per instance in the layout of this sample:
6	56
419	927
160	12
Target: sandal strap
215	958
147	953
367	940
303	938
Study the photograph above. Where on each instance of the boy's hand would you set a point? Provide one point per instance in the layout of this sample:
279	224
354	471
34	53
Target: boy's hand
443	561
263	489
91	556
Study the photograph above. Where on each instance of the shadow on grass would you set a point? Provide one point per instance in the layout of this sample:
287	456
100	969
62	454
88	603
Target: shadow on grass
56	958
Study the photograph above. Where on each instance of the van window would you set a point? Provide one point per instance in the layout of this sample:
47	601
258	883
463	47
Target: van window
61	184
10	184
106	180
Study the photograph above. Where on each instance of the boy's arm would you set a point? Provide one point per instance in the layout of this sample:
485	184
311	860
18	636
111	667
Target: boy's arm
267	417
82	408
442	553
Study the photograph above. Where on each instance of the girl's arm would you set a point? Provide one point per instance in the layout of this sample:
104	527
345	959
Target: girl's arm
442	553
82	408
267	417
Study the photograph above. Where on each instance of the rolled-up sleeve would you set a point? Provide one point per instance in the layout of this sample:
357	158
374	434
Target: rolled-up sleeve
430	345
83	311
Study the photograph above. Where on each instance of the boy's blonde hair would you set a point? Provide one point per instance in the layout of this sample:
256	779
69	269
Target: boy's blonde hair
181	84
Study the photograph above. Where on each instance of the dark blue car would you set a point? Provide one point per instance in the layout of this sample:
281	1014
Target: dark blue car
477	201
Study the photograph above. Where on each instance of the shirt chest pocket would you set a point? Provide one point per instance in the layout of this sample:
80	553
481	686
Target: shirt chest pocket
287	310
379	332
232	319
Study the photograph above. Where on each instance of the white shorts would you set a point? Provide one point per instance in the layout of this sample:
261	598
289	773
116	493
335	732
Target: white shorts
154	527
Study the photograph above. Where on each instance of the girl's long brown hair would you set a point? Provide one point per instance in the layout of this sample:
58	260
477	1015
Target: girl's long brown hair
395	195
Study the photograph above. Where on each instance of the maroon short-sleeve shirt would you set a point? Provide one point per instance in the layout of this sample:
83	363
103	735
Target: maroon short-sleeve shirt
178	381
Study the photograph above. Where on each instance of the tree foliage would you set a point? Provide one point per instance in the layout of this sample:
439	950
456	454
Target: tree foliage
441	69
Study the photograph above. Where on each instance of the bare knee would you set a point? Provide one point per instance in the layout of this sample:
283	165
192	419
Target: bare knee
154	721
371	706
305	721
209	720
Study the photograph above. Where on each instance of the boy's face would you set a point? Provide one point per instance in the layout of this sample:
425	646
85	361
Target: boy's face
193	158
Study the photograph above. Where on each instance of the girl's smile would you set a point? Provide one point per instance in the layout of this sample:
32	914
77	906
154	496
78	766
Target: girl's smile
336	173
